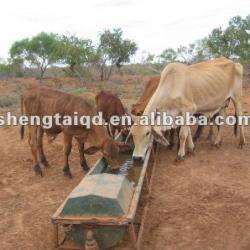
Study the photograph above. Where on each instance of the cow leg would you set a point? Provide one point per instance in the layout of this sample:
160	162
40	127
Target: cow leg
190	142
183	135
198	133
218	139
210	133
178	138
238	112
40	147
67	151
34	149
171	140
83	161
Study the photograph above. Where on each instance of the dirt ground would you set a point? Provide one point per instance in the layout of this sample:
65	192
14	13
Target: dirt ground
202	203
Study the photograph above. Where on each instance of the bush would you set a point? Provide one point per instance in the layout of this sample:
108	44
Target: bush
7	101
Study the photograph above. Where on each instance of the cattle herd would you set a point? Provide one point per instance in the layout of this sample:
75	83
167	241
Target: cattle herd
201	89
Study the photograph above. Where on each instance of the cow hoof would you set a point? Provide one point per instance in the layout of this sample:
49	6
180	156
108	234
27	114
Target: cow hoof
241	145
85	166
195	138
45	163
191	152
217	144
209	138
38	170
170	146
66	171
179	158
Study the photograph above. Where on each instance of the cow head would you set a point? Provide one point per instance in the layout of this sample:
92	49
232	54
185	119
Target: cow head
138	108
110	150
143	137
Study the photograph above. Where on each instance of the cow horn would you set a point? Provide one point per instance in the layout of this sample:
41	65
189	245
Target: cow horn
109	129
117	137
129	135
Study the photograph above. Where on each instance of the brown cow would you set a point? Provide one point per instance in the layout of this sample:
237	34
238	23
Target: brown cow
111	105
151	86
43	101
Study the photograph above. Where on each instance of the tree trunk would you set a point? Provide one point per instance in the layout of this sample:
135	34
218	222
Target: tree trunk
77	73
110	71
80	77
102	74
41	76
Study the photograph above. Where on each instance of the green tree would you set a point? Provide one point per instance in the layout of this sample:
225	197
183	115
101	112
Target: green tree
218	43
113	50
149	58
200	51
233	42
76	53
168	55
36	52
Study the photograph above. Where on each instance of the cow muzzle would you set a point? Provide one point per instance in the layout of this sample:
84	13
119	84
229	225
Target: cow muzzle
138	159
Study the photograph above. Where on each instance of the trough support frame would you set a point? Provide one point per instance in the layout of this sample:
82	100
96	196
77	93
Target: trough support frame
56	243
135	237
132	234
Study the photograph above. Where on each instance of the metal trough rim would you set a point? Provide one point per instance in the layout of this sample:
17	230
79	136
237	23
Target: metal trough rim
107	220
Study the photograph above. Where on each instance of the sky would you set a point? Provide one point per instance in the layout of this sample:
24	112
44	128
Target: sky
153	24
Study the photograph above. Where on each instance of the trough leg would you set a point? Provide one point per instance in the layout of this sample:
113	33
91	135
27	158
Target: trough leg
132	234
55	226
91	243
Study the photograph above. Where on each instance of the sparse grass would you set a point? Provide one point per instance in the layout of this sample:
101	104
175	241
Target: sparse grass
79	91
7	101
84	93
89	98
19	88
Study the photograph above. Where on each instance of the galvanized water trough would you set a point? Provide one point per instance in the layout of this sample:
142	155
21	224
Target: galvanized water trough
102	211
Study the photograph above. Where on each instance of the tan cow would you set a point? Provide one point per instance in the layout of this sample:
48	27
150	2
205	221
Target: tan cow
202	88
43	101
139	107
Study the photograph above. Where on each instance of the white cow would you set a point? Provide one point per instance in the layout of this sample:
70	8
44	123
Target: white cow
203	88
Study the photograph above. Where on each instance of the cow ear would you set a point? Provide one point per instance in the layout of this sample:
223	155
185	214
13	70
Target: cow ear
123	148
91	150
159	137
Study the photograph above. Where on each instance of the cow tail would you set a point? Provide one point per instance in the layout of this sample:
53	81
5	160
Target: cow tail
22	126
236	125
